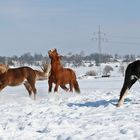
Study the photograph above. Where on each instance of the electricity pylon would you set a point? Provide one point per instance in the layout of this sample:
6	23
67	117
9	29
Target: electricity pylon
99	36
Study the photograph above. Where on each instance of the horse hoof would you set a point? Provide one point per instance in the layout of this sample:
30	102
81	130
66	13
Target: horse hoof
118	105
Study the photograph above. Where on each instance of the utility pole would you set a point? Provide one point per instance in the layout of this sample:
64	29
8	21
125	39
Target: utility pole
99	45
99	37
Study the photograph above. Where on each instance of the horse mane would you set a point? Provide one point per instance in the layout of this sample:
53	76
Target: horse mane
3	68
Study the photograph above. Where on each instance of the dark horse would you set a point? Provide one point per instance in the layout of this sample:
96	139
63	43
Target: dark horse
61	76
132	74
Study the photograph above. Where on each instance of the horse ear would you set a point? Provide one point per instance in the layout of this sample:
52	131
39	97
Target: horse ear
55	50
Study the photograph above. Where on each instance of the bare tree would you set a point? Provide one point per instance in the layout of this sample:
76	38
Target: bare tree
122	69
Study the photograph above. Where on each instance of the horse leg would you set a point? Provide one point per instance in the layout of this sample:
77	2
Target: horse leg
31	82
50	85
34	91
71	86
123	93
2	86
56	87
127	85
64	87
28	87
124	89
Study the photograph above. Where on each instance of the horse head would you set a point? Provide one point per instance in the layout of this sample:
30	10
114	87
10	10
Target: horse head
53	54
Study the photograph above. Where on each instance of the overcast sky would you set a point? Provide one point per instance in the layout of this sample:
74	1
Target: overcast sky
36	26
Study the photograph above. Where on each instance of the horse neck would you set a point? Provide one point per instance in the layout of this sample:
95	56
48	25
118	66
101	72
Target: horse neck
56	65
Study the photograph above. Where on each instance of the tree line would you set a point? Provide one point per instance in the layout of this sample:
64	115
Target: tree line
74	59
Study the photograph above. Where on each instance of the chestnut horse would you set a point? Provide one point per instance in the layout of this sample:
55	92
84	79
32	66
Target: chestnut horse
25	75
61	76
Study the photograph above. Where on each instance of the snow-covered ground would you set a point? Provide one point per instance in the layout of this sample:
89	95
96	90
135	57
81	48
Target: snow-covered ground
91	115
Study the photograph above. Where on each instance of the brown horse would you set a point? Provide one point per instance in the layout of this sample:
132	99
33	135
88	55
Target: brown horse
25	75
61	76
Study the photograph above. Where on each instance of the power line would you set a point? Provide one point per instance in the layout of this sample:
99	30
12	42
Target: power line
124	37
124	42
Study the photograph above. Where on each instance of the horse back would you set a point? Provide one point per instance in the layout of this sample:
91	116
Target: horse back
136	68
66	75
15	76
70	72
20	72
133	69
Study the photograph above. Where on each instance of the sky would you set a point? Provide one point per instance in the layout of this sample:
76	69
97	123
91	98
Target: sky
36	26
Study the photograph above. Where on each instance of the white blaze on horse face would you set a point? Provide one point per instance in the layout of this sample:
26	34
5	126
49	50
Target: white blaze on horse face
53	49
120	103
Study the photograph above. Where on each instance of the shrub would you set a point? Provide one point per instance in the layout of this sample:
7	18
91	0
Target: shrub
107	70
91	73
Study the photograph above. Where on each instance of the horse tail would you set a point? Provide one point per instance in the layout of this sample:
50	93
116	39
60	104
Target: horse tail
76	86
46	68
45	73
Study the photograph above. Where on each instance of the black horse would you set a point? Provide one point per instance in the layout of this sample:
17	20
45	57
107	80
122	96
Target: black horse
132	74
